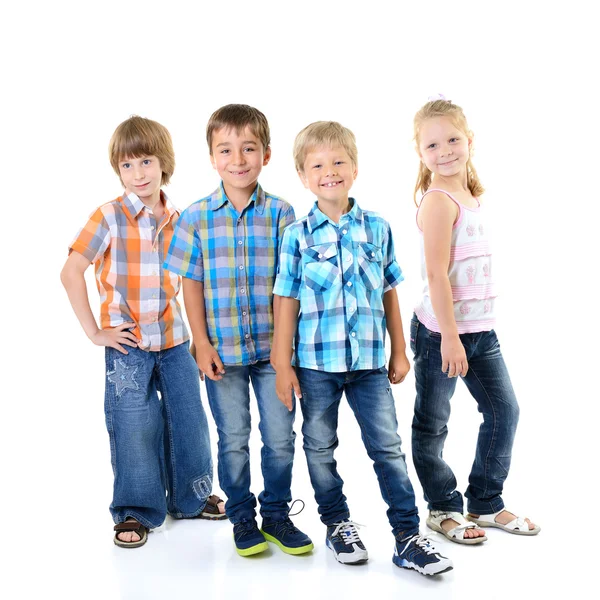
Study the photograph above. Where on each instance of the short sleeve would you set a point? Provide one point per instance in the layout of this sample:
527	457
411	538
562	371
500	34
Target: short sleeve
93	239
287	217
392	274
185	252
289	277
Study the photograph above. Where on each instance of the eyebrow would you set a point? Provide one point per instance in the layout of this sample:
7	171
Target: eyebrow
229	143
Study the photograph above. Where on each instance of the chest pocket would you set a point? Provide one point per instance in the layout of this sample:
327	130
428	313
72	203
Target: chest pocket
320	266
370	265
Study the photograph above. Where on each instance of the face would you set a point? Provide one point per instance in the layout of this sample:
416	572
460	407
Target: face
443	148
142	176
238	158
328	173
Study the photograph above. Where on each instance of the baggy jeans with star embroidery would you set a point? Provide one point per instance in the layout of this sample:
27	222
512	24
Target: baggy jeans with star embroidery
159	440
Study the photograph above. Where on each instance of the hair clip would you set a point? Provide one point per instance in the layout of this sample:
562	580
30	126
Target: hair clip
437	97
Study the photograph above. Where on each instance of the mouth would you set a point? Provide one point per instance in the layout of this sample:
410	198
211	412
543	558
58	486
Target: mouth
445	164
332	184
239	173
143	186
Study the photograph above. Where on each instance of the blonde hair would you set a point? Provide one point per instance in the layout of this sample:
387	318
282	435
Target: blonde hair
444	108
137	137
324	133
238	117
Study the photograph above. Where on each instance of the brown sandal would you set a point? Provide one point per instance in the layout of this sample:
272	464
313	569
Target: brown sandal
136	527
211	509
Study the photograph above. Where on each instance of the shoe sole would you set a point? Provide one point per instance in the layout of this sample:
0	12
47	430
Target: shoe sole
405	564
256	549
360	561
480	523
288	549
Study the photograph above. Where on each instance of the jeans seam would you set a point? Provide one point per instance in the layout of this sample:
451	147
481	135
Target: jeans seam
167	412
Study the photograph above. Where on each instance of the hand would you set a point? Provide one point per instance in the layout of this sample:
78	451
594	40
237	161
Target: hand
398	368
113	337
454	357
209	362
286	382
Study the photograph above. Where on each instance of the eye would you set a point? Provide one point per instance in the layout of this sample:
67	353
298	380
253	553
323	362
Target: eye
146	162
454	139
248	149
316	166
339	162
225	151
431	146
126	165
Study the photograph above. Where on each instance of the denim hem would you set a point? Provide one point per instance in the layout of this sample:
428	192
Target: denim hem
447	507
402	534
485	508
338	519
137	517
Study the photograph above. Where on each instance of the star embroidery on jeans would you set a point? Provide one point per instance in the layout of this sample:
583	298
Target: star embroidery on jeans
123	377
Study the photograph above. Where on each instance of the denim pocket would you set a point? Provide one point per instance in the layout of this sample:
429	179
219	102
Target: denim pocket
414	332
370	265
319	266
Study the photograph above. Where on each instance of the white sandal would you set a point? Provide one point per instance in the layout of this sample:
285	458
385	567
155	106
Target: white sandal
457	534
518	525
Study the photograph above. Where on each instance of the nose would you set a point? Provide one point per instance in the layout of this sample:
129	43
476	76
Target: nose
138	172
445	149
332	170
239	157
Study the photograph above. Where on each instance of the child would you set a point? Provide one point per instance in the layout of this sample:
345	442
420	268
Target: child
158	431
452	334
337	268
226	247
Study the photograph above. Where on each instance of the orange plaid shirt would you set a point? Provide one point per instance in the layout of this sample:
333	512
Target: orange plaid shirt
127	247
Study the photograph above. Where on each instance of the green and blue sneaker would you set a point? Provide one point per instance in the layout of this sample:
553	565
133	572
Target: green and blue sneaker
248	539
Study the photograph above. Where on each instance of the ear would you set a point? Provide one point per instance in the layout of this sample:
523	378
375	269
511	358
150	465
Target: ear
267	156
355	172
303	179
419	153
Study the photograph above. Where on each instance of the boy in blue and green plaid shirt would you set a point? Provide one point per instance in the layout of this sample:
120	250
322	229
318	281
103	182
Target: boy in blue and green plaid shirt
226	248
336	282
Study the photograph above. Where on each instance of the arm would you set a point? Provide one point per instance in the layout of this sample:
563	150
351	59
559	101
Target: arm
276	308
399	365
436	218
207	358
286	379
72	277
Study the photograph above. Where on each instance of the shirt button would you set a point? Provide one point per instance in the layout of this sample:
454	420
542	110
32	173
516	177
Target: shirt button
349	259
244	313
349	284
372	253
243	291
241	267
247	336
351	309
154	249
320	256
353	334
240	242
152	227
344	231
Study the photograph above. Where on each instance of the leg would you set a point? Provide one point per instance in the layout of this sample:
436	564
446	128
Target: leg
277	434
186	438
134	423
489	383
229	400
321	394
430	421
370	397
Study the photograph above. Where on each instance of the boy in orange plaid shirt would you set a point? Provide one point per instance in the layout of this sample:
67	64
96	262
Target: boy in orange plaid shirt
159	440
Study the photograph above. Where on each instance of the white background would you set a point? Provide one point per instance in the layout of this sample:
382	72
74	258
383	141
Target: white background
523	72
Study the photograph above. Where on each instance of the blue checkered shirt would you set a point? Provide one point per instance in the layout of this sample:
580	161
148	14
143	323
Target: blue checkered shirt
235	256
339	273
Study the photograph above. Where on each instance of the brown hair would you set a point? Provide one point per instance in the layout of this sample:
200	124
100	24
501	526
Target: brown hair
238	117
444	108
137	137
324	133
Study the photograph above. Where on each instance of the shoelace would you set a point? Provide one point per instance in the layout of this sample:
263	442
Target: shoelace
244	528
349	529
286	525
422	541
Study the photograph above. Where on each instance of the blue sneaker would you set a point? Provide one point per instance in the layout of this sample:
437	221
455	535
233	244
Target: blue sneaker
287	536
418	553
343	539
248	539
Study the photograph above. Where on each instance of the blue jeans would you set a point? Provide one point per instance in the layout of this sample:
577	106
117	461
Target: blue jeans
159	440
370	397
229	400
488	381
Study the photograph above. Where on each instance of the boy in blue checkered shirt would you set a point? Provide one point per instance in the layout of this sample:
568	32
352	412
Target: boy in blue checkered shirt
225	247
337	279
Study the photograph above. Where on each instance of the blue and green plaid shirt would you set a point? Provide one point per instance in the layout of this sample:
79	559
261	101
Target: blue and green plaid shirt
235	256
339	273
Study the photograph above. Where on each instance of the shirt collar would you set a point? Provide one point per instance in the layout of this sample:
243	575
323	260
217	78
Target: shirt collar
316	218
134	206
218	198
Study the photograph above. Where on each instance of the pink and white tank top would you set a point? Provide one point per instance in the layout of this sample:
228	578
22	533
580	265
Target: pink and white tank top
469	271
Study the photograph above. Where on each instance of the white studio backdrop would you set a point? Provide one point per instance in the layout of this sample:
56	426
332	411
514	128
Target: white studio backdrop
522	71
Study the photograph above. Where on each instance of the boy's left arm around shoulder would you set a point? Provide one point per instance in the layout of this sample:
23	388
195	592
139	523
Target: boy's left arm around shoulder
399	365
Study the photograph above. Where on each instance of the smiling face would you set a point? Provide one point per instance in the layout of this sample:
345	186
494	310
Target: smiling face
142	176
443	148
329	173
239	158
